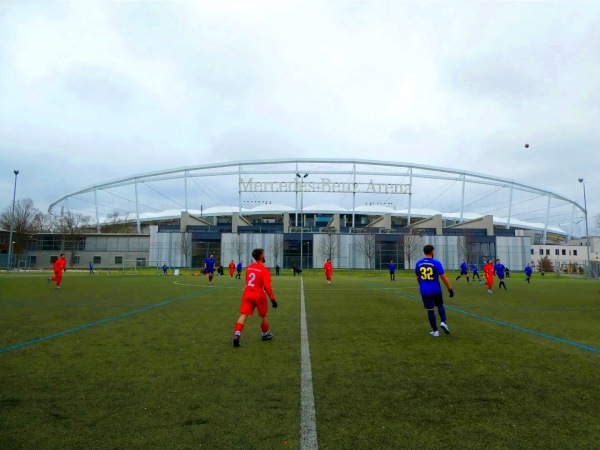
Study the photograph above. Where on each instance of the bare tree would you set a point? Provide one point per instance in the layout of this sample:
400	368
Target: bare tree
116	223
277	246
42	223
329	245
413	248
238	246
185	245
72	225
22	225
366	245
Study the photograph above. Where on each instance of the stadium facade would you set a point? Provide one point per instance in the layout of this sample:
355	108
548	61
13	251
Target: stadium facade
362	213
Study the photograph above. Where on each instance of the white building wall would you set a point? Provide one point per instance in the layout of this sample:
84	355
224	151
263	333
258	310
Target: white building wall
250	241
514	252
573	254
165	248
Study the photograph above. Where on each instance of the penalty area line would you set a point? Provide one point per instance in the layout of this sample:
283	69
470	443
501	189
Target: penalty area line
504	324
98	322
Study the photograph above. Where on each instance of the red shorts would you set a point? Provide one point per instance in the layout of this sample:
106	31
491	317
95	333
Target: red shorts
57	276
249	302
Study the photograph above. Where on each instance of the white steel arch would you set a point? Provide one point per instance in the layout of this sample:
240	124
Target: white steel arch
353	169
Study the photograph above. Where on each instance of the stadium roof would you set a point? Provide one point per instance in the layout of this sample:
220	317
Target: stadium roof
376	210
349	186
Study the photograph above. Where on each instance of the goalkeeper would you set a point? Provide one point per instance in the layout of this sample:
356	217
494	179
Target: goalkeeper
258	286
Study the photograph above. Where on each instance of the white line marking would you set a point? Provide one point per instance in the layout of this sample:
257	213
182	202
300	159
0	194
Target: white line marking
186	284
308	422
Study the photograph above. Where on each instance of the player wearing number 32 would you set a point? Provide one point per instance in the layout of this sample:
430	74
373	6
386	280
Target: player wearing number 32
258	286
429	271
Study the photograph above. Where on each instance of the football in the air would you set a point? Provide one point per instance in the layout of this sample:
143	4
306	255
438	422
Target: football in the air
526	145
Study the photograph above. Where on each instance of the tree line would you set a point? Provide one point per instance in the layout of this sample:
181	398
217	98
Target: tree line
27	221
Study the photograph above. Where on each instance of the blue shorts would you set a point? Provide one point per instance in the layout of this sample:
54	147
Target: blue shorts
210	271
431	300
464	272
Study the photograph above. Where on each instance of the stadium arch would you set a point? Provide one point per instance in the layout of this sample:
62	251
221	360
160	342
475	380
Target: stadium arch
354	178
308	198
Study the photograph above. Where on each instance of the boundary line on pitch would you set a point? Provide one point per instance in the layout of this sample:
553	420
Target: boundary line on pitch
308	421
99	322
499	322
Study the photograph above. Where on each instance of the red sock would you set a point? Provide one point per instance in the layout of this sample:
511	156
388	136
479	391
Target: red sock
239	327
264	327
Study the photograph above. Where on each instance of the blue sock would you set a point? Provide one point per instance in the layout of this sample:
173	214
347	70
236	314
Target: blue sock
442	313
431	315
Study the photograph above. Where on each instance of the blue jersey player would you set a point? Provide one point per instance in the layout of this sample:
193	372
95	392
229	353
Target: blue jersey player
464	270
209	268
239	270
528	271
475	273
392	268
499	270
429	272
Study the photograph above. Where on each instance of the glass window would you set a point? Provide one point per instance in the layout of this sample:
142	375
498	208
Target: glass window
49	243
574	252
557	252
97	259
53	259
532	251
547	251
541	251
77	244
118	260
564	252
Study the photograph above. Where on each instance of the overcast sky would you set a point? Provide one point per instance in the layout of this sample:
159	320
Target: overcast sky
93	91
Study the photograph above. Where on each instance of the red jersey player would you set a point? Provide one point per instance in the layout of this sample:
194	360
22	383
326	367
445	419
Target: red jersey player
59	266
328	270
258	286
489	275
231	268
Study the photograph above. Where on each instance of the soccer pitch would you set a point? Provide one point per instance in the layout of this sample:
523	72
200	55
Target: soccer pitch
146	362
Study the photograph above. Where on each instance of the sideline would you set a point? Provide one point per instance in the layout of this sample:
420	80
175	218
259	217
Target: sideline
499	322
308	422
100	322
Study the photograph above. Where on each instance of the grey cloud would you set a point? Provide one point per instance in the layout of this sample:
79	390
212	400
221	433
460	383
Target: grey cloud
99	87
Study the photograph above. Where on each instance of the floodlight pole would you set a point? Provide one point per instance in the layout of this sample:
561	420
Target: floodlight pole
302	177
587	233
12	225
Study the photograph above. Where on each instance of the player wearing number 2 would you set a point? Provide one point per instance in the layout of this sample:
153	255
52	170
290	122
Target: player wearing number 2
429	271
258	286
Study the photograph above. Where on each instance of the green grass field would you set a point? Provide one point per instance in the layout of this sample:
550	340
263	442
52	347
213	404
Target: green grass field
146	362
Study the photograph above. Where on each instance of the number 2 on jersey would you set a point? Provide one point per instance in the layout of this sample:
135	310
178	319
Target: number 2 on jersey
251	278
